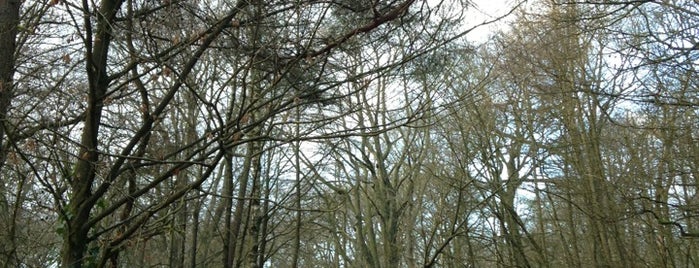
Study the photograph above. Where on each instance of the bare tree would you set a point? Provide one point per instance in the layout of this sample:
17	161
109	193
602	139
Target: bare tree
130	110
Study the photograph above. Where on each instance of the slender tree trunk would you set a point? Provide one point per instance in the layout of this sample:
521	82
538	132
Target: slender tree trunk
234	224
511	218
541	224
10	249
178	232
297	230
254	212
512	227
77	213
263	222
188	126
228	192
195	235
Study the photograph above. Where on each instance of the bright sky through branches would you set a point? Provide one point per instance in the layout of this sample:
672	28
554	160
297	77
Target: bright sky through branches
487	10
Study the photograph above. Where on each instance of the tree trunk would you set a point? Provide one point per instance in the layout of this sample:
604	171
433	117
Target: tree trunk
195	235
255	209
81	203
228	241
234	223
9	19
178	232
297	166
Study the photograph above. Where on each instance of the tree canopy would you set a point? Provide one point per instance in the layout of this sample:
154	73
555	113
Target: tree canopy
248	133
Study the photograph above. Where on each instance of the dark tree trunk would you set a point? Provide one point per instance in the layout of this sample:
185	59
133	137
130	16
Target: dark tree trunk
81	203
9	19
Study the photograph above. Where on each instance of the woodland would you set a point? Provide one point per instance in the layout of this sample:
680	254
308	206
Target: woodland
340	133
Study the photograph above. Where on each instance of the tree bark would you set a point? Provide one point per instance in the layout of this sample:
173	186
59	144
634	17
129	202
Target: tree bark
78	210
9	19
